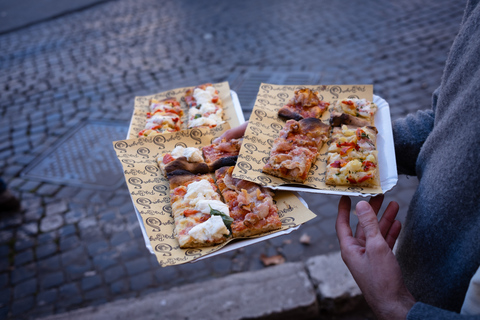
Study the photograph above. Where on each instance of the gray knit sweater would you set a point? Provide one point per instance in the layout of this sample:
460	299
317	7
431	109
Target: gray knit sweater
439	249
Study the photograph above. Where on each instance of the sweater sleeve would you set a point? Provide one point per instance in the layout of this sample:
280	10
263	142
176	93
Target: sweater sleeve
409	134
422	311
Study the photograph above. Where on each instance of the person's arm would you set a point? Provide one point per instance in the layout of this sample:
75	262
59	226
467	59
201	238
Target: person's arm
369	257
422	311
409	134
233	133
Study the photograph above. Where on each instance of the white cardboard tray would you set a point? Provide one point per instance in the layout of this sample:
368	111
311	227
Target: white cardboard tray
386	156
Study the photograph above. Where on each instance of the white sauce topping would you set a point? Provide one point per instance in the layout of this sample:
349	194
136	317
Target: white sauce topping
200	190
204	96
192	154
206	205
211	229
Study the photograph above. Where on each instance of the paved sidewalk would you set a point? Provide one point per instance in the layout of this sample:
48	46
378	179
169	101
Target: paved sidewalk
67	87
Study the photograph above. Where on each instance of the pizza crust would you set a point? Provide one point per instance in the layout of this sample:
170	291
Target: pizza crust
181	166
337	119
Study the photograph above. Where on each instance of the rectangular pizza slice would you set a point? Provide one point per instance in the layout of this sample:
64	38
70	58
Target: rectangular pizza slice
357	112
201	218
296	149
352	158
251	206
222	154
164	116
304	104
205	108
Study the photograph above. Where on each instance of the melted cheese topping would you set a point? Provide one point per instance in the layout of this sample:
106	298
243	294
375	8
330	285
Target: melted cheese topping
207	107
161	119
192	154
200	190
361	107
159	106
211	120
212	229
205	206
352	166
204	96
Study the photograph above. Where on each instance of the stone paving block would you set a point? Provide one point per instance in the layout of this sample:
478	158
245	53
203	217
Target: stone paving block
46	250
23	257
69	242
114	273
137	266
30	186
50	280
47	237
91	282
120	286
48	190
120	237
74	215
20	274
51	222
33	213
56	208
25	288
97	247
4	280
78	269
47	297
129	250
97	296
4	251
25	243
337	290
105	260
22	305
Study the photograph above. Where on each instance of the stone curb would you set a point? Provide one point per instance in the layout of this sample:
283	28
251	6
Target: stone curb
288	291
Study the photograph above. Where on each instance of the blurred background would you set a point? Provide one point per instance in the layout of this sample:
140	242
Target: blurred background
69	72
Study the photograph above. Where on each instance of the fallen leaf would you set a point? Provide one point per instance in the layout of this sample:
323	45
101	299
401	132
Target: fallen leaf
305	239
273	260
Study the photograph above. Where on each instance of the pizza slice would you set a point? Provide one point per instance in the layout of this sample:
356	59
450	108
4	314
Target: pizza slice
352	158
205	106
182	161
357	112
352	139
251	206
164	116
304	104
222	154
201	218
296	149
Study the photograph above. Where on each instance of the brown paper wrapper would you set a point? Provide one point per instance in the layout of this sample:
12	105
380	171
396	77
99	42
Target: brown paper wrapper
265	125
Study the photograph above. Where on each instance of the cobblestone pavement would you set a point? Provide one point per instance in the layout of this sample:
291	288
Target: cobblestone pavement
75	77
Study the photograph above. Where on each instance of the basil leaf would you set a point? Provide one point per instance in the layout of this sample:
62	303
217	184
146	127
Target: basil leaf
227	220
198	115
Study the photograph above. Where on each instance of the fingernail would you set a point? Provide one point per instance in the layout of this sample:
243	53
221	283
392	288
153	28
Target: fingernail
362	207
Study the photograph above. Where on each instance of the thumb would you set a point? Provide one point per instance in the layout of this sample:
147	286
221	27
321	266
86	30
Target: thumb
367	219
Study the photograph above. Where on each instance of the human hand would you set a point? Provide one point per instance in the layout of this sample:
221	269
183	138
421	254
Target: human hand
369	257
233	133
